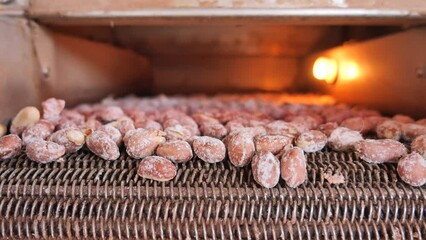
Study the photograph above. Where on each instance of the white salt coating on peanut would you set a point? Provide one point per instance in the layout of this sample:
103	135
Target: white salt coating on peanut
328	128
419	145
177	151
311	141
209	149
71	138
52	109
44	151
280	127
177	132
380	151
412	130
272	143
102	145
240	148
343	139
110	113
337	178
123	125
27	116
412	169
141	143
112	132
10	146
293	167
40	130
266	169
389	129
157	168
403	118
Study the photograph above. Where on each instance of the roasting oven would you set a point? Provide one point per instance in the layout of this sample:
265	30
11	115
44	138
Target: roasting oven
368	53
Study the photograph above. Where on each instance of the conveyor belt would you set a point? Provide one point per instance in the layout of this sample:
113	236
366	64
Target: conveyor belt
87	197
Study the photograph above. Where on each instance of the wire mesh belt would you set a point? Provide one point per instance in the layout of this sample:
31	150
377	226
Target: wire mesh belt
86	197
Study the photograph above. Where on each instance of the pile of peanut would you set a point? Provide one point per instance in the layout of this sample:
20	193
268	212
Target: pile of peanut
166	131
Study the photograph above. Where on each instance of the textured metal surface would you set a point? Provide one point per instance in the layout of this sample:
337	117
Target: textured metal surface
87	197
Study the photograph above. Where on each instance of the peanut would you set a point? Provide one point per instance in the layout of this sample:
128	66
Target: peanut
10	146
389	129
209	149
272	143
112	132
380	151
102	145
240	148
71	138
311	141
266	169
40	130
52	109
293	167
3	130
412	130
412	169
419	145
110	113
123	125
157	168
177	151
44	151
281	128
141	143
403	118
343	139
25	117
328	128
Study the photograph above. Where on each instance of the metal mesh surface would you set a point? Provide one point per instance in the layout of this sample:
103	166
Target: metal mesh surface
86	197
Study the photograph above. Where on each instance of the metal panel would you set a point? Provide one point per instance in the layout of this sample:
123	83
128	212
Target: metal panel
229	12
391	73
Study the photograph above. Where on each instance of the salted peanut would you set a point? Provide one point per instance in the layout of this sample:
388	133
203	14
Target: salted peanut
40	130
328	128
362	124
112	132
266	169
311	141
73	116
272	143
209	149
177	132
419	145
176	151
25	117
421	122
189	124
210	126
293	167
380	151
412	169
389	129
92	123
403	118
123	125
110	113
102	145
85	109
412	130
235	125
44	151
148	124
281	128
157	168
141	143
10	146
52	109
240	148
3	130
343	139
72	139
308	121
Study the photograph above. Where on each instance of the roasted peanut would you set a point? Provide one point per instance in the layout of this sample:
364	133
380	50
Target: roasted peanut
44	151
110	113
148	124
3	130
412	130
102	145
281	128
71	138
209	149
157	168
177	151
328	128
177	132
210	126
52	109
403	118
389	129
123	125
141	143
266	169
240	148
412	169
10	146
360	124
419	145
112	132
343	139
293	167
40	130
311	141
421	122
380	151
272	143
25	117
